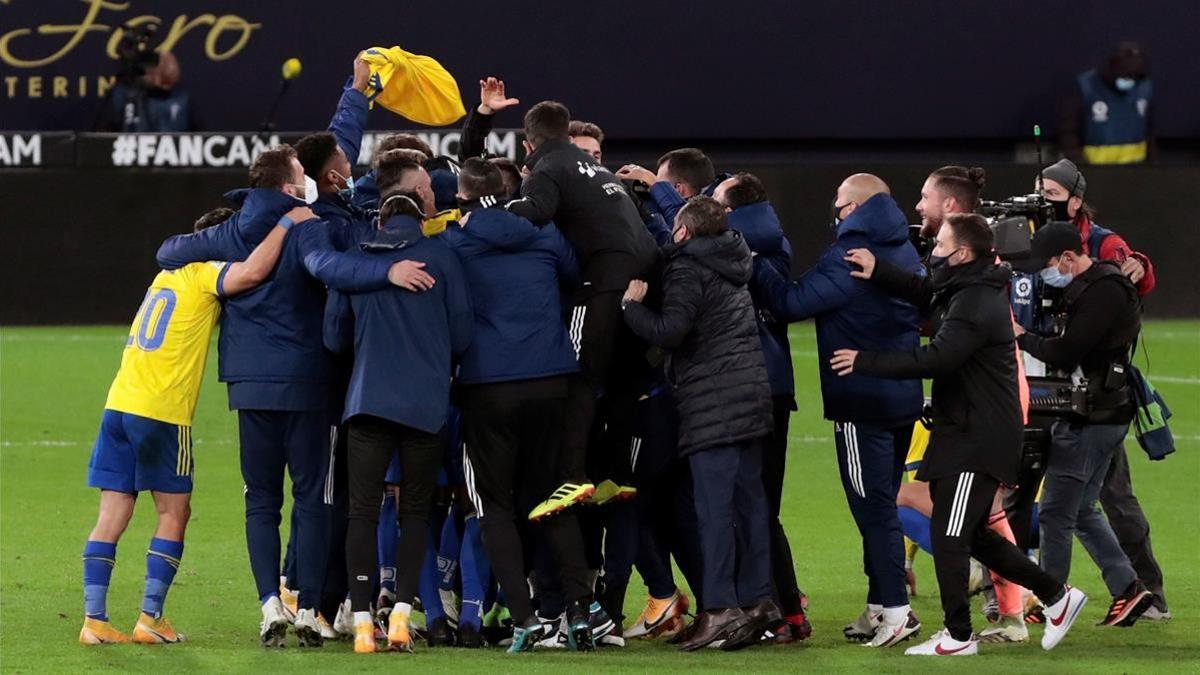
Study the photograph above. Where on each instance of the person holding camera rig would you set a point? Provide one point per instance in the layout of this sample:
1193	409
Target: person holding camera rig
1102	324
976	425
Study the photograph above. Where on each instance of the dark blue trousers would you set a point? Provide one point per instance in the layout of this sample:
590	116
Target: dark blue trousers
299	443
871	460
731	507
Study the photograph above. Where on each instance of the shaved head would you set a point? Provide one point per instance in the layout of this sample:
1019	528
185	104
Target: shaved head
862	186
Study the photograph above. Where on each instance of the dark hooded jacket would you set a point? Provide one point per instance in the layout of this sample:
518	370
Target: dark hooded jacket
976	407
707	323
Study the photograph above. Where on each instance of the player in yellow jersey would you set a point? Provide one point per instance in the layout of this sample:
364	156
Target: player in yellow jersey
145	440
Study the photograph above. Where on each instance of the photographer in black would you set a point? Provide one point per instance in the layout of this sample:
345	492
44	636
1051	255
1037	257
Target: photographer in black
1103	318
976	423
145	97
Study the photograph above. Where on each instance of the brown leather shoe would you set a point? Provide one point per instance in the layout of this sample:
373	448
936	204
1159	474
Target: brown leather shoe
714	625
758	618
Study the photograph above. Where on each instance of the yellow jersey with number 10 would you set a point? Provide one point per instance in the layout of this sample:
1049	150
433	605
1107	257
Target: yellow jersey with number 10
163	363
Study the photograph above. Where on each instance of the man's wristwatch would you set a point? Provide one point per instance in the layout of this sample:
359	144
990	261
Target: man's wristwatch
625	303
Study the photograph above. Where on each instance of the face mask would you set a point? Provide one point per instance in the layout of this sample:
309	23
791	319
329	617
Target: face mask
1060	209
940	261
348	191
1051	276
310	191
1125	83
834	210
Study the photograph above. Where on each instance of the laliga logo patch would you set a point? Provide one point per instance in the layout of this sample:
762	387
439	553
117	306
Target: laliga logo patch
1024	288
586	169
1099	111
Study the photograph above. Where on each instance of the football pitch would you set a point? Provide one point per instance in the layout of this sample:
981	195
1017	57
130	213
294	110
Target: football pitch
53	383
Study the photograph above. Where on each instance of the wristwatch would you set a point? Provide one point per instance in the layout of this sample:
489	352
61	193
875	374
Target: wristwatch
624	303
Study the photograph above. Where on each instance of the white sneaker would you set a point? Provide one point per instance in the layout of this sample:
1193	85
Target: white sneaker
863	628
1061	616
343	623
1155	614
273	630
554	632
327	631
1009	629
941	644
889	634
308	631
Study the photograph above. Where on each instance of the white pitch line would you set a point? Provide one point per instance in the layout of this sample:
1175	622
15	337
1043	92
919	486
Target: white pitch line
1173	379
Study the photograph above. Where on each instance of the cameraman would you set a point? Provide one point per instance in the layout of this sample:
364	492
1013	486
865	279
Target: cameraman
1103	321
1064	187
148	101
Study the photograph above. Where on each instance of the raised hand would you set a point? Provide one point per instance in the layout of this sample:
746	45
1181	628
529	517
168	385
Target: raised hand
362	73
492	97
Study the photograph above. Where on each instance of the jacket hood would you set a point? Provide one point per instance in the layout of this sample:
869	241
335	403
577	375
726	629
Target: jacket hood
259	208
547	148
759	225
983	271
879	219
726	254
498	228
397	233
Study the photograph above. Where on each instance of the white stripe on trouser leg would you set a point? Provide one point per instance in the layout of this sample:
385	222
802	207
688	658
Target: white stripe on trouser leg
469	476
966	499
962	495
333	436
853	461
576	331
635	446
954	504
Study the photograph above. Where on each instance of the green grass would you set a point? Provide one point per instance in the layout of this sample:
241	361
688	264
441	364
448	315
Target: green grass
53	383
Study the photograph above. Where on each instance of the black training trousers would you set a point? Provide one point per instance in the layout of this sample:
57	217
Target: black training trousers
513	433
959	529
774	448
372	442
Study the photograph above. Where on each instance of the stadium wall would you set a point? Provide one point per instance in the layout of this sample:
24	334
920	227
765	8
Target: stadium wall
79	242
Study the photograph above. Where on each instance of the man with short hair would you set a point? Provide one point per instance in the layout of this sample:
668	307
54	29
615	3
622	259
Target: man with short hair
146	433
1103	321
977	424
587	137
724	402
872	416
512	382
750	213
596	215
682	174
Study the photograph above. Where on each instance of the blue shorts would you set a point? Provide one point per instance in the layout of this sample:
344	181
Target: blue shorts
134	453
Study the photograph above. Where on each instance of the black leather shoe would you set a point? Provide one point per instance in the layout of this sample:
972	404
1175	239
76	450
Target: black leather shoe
440	633
758	618
714	625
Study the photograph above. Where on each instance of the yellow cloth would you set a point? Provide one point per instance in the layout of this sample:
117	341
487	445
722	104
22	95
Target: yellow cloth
163	363
413	86
916	450
431	227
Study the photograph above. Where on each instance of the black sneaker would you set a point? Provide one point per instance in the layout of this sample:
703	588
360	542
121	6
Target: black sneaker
440	634
469	637
1128	606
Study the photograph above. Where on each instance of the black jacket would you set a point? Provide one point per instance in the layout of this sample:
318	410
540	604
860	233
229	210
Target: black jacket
707	322
976	406
1103	320
592	210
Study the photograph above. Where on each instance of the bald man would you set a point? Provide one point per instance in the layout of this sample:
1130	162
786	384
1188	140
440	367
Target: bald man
149	101
872	417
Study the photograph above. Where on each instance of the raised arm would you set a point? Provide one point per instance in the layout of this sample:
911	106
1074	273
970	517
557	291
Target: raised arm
220	242
350	117
893	279
492	99
958	338
355	273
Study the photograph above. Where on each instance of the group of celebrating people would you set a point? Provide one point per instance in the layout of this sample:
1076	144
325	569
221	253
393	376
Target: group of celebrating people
499	388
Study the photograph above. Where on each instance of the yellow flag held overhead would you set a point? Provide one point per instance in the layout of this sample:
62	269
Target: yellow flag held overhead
413	86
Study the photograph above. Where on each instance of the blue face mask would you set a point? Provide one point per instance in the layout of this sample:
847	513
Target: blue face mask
348	191
1052	277
1125	83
